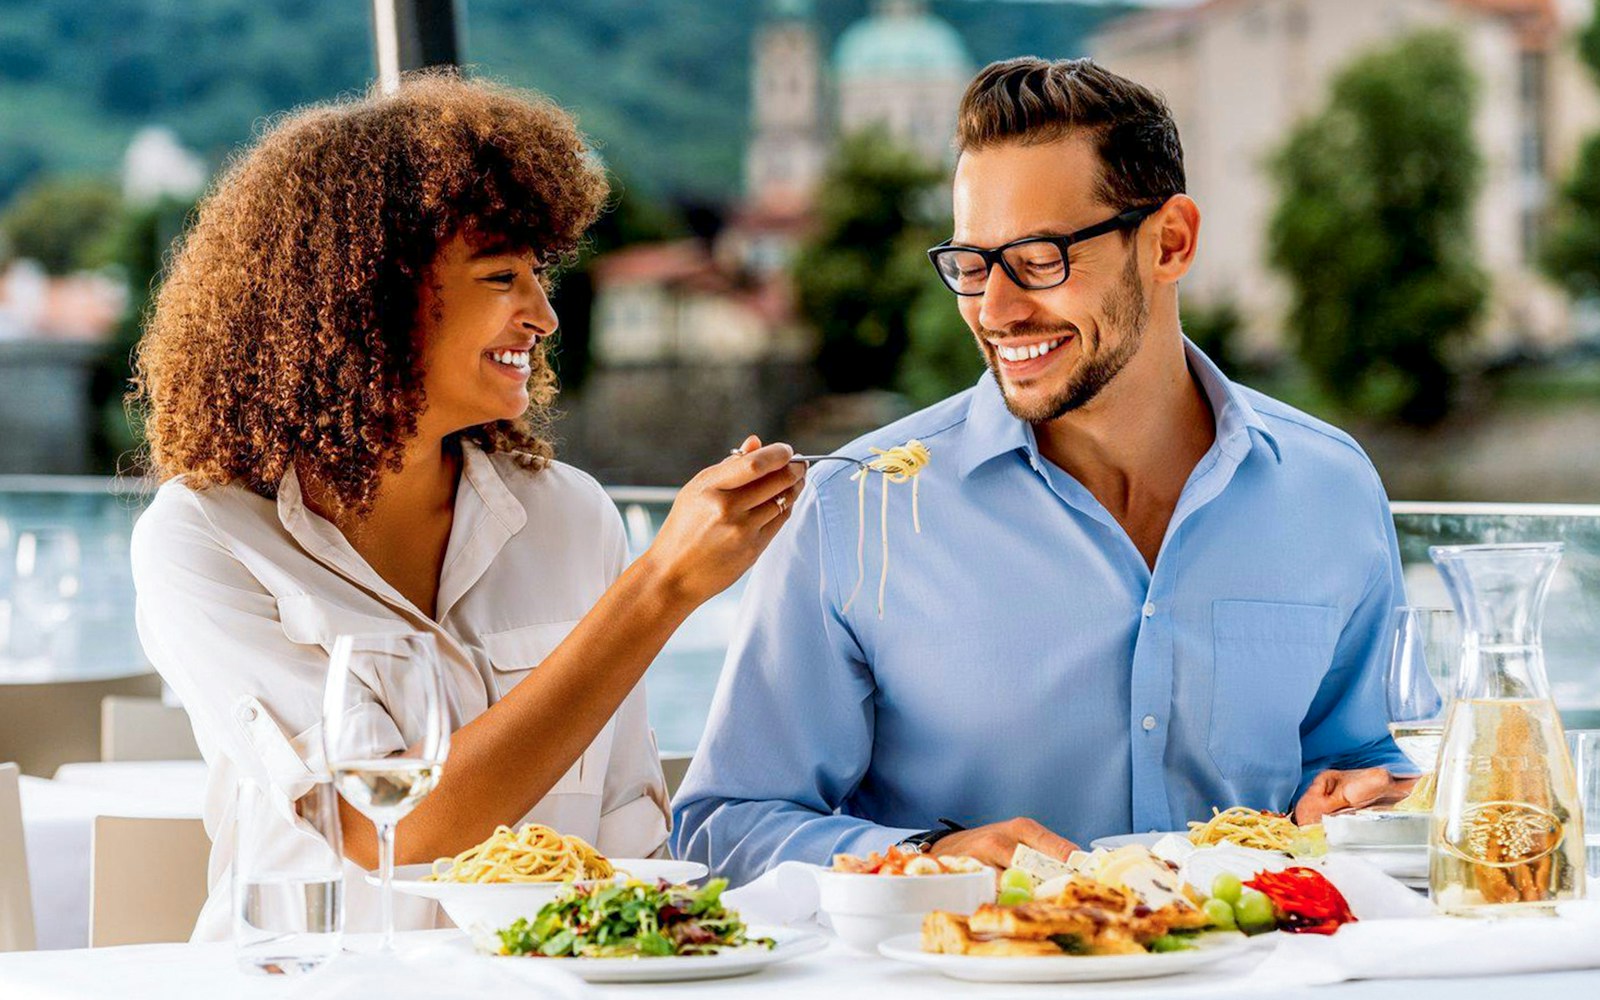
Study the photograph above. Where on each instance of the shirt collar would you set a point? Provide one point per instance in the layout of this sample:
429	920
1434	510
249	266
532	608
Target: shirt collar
469	550
991	431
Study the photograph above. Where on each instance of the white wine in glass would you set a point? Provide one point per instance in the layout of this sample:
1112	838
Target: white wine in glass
377	684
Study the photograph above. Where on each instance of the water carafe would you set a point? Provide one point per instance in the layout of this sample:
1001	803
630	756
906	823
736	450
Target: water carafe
1507	834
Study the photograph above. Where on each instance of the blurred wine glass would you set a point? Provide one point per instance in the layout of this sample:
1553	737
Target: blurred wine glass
1421	680
378	684
45	569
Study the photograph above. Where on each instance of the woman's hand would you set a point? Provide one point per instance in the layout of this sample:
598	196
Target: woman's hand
724	518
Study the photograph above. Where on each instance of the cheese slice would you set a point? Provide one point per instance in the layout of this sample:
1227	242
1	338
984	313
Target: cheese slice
1041	866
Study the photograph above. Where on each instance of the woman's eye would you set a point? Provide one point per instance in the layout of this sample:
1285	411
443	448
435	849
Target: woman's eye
503	278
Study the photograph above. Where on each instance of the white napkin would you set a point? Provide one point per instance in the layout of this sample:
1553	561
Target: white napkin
439	972
1436	947
786	895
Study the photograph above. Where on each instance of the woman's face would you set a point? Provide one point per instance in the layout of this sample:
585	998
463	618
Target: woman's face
481	314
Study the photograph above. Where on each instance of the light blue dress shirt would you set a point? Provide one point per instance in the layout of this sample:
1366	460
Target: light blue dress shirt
1029	663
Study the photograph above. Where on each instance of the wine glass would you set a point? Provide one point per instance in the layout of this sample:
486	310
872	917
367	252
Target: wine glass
1421	680
378	684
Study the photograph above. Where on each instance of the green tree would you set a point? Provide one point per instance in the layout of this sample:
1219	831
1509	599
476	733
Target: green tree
854	277
61	222
1372	229
1571	251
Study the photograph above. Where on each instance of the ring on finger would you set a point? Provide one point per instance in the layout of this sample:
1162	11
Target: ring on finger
783	503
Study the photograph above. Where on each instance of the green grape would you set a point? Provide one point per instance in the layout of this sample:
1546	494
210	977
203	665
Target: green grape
1254	911
1169	942
1226	887
1011	897
1221	914
1016	878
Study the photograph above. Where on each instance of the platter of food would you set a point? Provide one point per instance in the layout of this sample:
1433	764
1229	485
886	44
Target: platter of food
1119	913
633	931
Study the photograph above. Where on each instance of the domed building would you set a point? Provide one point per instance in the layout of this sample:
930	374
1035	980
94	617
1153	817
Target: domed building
906	70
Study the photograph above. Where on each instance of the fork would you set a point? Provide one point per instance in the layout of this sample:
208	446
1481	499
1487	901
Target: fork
808	459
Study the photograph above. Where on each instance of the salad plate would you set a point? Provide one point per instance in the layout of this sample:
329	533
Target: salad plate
788	944
1209	949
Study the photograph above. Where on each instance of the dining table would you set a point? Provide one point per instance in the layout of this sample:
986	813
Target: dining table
428	965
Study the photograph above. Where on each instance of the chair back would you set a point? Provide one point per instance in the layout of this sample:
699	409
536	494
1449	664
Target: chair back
147	879
144	729
674	766
16	899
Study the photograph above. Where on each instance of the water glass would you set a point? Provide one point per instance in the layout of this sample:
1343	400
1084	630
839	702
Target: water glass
1584	745
288	879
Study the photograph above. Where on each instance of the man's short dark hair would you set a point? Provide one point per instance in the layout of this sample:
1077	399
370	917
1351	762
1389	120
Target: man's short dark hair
1030	100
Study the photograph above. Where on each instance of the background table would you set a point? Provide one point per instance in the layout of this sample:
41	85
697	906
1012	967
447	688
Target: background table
58	826
193	972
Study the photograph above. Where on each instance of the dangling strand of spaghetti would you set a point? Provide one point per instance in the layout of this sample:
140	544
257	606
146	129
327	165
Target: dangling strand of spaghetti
897	464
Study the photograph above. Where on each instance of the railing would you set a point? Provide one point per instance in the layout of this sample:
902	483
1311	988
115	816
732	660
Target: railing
104	643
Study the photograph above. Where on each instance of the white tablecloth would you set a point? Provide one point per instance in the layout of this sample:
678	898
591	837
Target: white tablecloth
206	971
58	823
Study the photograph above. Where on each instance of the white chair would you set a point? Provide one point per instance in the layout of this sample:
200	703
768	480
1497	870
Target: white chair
144	729
147	880
16	899
674	766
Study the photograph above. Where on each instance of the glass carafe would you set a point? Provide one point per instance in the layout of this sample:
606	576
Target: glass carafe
1507	833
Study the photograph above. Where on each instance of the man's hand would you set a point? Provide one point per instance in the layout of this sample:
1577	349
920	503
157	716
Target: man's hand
994	844
1332	791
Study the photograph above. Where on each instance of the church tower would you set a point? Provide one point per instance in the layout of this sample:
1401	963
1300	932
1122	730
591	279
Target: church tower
788	147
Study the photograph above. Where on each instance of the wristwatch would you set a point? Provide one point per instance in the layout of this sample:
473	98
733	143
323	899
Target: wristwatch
923	842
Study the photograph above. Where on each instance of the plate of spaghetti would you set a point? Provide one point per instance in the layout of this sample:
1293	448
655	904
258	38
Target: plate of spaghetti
514	873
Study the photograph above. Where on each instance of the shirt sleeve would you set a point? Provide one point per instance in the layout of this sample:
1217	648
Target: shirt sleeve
213	632
791	726
1347	725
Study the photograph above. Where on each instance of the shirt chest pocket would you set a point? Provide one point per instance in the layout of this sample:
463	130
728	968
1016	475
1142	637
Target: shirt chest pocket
513	655
1269	659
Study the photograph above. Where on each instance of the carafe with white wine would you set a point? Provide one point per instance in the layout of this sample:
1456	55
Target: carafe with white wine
1507	832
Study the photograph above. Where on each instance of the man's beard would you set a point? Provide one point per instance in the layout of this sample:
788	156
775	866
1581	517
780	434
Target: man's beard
1126	310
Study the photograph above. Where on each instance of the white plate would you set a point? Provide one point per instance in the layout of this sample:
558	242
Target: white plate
791	944
1407	865
492	905
1209	950
1124	839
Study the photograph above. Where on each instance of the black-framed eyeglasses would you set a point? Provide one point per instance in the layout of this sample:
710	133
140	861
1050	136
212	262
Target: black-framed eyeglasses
1034	262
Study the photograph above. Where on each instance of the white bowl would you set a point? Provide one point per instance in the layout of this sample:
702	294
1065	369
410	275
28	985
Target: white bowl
1377	828
478	907
866	910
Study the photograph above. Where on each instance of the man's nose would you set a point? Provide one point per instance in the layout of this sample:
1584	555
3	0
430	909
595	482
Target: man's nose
1003	304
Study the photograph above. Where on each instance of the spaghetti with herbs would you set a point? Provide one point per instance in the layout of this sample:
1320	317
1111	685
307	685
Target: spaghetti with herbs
899	464
532	854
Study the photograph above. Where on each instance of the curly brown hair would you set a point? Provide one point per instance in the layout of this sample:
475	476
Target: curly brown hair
285	334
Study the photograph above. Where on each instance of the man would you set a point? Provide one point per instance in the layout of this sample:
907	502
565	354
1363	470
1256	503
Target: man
1139	590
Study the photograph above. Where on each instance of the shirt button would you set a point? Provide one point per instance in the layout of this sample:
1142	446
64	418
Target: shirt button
247	713
1149	608
1148	722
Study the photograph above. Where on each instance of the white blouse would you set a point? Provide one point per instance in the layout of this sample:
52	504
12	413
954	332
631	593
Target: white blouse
240	598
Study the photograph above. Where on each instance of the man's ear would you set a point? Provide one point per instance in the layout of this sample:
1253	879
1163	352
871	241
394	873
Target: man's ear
1176	226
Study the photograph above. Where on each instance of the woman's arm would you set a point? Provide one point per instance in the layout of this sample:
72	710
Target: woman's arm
504	761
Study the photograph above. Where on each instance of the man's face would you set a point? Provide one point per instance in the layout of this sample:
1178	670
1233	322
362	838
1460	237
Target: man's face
1051	351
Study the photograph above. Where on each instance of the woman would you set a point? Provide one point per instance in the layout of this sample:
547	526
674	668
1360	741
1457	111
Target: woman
345	386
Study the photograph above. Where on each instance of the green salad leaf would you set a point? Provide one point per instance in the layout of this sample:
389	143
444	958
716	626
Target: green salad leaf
631	919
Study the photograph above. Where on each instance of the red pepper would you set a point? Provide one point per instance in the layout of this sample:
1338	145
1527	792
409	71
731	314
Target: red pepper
1305	901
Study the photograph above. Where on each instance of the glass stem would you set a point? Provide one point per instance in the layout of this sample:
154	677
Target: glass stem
386	876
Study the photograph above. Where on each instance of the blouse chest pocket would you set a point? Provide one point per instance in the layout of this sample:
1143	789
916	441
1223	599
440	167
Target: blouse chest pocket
516	653
1269	659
